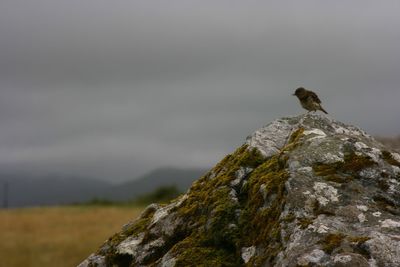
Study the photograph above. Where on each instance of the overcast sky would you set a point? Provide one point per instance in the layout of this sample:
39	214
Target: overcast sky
113	89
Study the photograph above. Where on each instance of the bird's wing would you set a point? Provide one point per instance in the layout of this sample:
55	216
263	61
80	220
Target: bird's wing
314	97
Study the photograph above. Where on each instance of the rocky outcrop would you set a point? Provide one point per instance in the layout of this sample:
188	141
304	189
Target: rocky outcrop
301	191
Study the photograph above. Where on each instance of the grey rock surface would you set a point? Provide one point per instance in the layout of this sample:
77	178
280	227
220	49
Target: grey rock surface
301	191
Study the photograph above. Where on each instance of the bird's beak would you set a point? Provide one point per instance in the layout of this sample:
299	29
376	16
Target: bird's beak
293	94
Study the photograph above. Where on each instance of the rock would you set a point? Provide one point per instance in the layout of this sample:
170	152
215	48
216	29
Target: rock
314	257
384	248
349	260
94	260
301	191
248	253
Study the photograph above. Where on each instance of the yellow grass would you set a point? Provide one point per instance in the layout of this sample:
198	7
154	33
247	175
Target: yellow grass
57	236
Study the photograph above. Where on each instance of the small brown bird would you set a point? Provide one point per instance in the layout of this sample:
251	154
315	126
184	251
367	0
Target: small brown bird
309	100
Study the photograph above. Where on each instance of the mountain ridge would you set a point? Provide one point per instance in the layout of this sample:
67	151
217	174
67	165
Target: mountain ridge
60	190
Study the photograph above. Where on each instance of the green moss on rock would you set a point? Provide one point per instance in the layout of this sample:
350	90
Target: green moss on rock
293	141
304	222
296	135
355	163
385	203
357	243
211	206
336	178
289	218
358	239
195	250
337	241
259	222
265	194
207	194
134	229
332	241
321	169
343	171
138	226
387	156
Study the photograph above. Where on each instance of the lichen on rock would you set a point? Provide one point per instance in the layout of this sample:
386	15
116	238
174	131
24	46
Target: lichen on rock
301	191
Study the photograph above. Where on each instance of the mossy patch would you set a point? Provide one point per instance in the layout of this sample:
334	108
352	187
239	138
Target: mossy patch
343	171
332	241
195	250
355	163
254	215
138	226
296	135
293	140
358	239
321	169
260	222
211	211
336	178
260	225
289	218
385	203
304	222
134	229
319	209
244	156
357	243
213	194
387	156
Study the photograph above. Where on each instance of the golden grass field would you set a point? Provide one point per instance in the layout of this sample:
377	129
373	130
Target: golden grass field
57	236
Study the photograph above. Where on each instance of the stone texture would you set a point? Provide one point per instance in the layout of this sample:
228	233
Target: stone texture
301	191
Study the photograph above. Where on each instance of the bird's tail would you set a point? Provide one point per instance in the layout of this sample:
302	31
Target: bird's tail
323	110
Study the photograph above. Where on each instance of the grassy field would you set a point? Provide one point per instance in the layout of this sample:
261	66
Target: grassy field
57	236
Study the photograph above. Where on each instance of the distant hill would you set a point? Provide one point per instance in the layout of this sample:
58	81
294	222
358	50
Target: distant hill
26	191
181	178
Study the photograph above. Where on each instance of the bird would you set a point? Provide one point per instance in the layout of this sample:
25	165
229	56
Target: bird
309	100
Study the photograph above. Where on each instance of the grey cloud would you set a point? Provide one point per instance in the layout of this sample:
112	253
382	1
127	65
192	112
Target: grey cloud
114	89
